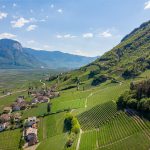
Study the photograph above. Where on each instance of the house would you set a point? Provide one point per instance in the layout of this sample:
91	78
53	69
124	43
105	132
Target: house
43	99
20	100
7	110
23	105
15	107
31	121
53	88
33	139
19	106
54	94
21	97
31	131
31	136
16	117
34	101
2	127
8	93
5	118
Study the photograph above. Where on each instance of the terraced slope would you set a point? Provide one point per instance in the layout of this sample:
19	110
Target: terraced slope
98	115
116	133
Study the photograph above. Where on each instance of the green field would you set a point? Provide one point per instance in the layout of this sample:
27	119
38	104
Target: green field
9	140
119	130
98	115
103	126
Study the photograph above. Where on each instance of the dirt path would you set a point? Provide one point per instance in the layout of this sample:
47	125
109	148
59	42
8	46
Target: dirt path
32	147
79	139
115	142
87	99
42	83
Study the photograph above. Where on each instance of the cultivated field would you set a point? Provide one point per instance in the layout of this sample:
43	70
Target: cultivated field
103	127
9	140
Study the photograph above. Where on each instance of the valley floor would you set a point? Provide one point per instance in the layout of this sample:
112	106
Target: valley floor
103	127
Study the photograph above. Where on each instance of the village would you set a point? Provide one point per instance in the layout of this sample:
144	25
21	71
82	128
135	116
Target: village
11	117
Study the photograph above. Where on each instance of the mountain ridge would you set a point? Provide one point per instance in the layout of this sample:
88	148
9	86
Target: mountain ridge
13	55
126	60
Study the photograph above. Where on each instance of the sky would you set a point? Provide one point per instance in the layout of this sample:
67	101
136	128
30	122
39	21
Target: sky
83	27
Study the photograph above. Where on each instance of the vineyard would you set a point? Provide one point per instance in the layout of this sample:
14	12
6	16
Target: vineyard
98	115
103	127
116	133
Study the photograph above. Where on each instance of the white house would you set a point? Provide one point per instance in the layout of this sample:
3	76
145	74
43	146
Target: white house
2	127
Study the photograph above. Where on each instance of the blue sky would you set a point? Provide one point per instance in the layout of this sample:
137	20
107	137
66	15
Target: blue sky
84	27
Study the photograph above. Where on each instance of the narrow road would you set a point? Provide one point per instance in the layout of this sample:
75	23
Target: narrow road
87	99
32	147
13	93
115	142
43	83
79	139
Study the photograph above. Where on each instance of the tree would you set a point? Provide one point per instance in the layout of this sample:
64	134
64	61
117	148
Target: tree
77	80
48	107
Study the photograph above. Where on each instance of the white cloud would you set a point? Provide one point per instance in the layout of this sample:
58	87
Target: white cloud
14	4
31	27
47	47
31	42
20	22
3	15
65	36
105	34
42	10
31	10
60	11
80	52
147	5
59	36
7	35
87	35
52	6
3	6
69	36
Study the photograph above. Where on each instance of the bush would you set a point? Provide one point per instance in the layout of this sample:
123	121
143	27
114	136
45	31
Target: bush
98	80
93	73
71	124
75	128
68	122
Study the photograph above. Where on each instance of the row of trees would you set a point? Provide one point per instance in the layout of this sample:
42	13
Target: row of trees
138	97
71	123
72	126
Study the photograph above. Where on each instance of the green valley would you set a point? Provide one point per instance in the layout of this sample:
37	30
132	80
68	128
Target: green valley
101	106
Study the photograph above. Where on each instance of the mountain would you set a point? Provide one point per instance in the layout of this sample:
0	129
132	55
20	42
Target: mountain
13	55
57	59
126	60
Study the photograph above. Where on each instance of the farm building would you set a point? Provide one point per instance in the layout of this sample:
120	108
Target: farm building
16	117
5	118
31	136
7	110
30	121
2	127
